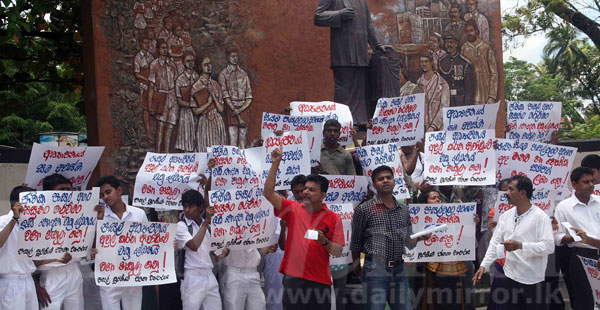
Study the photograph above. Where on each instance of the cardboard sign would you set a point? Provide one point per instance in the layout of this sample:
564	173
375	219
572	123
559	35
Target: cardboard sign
232	169
163	178
244	219
398	120
544	199
593	276
482	116
312	124
295	159
503	155
460	158
345	211
54	223
134	253
344	189
374	156
456	243
533	121
75	163
327	110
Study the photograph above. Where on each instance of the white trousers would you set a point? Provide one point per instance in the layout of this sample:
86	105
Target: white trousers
200	288
17	292
115	297
241	289
64	285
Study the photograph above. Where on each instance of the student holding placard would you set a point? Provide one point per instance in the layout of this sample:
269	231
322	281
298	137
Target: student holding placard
130	298
17	290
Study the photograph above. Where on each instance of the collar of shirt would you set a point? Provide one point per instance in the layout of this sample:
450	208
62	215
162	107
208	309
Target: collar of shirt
340	148
109	212
189	221
579	203
230	68
163	62
380	204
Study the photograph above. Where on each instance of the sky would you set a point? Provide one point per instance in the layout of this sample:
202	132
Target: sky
530	49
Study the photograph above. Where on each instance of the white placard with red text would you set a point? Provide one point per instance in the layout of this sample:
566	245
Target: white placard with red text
481	116
345	211
544	199
295	159
343	189
327	110
593	276
373	156
312	124
532	121
398	120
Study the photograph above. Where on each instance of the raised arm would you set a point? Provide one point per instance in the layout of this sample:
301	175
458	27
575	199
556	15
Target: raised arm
195	243
269	192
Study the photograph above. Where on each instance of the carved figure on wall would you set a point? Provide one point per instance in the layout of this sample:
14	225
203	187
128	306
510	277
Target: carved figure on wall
151	41
407	87
481	56
141	68
480	19
351	32
161	94
435	48
437	93
208	96
176	45
186	36
165	33
186	131
457	23
458	72
139	20
237	94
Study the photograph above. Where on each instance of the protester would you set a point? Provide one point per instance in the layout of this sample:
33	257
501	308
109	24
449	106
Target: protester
592	161
127	298
383	275
335	160
306	262
525	232
17	290
581	210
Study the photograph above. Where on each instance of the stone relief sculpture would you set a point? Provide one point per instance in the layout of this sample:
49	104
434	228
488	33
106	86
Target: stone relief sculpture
437	94
482	22
141	68
186	131
458	72
481	56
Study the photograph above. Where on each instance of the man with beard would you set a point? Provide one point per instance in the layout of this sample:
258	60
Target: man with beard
335	160
479	19
457	71
482	58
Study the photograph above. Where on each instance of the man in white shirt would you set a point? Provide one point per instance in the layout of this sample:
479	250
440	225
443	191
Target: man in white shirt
17	290
581	210
113	298
525	232
199	286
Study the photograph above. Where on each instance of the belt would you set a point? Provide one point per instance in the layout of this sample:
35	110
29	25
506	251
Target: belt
379	259
15	276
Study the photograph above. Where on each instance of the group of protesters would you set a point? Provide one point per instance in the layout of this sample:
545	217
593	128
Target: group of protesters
297	271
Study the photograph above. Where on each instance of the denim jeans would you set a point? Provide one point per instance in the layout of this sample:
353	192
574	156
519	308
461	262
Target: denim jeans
383	284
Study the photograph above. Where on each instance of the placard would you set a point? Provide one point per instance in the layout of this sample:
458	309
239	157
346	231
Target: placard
232	169
312	124
344	189
482	116
544	199
74	163
294	161
533	121
503	155
54	223
327	110
593	276
163	178
456	243
460	158
398	120
597	189
373	156
345	211
244	219
134	253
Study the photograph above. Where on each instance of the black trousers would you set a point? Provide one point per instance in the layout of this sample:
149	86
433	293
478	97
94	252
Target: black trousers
524	296
582	297
301	294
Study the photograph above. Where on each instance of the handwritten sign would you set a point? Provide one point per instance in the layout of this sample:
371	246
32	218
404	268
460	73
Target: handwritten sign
533	121
134	253
345	211
243	219
54	223
597	189
312	124
327	110
295	159
547	165
163	178
593	275
471	117
232	169
460	157
373	156
398	120
542	198
75	163
344	189
503	155
456	243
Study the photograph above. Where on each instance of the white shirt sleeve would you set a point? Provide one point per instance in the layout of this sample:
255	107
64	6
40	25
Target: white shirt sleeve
545	244
558	235
183	235
490	254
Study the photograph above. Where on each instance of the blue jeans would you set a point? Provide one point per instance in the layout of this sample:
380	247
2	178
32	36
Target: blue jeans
383	284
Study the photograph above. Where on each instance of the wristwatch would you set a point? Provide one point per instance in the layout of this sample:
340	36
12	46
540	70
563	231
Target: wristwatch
326	242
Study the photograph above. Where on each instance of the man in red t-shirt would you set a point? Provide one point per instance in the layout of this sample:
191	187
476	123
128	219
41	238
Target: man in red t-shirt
314	232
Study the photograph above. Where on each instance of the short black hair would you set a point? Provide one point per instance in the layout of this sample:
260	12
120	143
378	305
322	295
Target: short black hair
192	197
298	180
523	184
14	194
504	181
51	181
379	170
332	122
579	172
110	180
321	180
591	161
425	194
